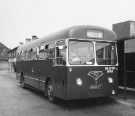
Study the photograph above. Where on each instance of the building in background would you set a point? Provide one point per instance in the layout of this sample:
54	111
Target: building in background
13	53
12	59
3	57
3	52
126	51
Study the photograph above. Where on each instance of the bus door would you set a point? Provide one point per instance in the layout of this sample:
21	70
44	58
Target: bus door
60	68
46	56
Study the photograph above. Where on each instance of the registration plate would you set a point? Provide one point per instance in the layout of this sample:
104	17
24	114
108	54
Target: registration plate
99	86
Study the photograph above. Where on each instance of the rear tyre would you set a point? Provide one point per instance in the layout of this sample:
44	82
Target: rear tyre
22	83
50	92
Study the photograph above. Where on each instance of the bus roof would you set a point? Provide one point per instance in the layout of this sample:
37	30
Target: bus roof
72	32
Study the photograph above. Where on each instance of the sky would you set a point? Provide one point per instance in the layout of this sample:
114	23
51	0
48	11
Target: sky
20	19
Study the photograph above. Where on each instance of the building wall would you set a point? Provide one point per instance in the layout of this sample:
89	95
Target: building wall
4	66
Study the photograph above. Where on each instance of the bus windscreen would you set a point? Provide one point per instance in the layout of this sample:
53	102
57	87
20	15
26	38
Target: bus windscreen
106	53
81	52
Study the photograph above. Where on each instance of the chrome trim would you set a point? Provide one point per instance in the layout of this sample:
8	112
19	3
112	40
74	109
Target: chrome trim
29	77
67	63
95	74
67	58
117	54
95	53
127	88
92	39
92	65
42	81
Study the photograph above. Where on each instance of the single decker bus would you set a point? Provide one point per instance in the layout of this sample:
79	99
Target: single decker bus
79	62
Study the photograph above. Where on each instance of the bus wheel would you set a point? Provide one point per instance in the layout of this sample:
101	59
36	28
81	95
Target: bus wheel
50	92
22	84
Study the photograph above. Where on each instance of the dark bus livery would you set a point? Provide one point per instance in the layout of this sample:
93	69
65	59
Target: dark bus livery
77	63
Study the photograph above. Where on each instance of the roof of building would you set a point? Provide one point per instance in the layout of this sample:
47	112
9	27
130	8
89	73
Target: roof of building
3	52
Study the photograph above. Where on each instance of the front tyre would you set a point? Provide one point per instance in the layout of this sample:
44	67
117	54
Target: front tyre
50	92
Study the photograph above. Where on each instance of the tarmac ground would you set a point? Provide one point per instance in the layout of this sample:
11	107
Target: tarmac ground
16	101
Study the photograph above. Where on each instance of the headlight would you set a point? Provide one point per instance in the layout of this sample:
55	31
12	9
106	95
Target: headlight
110	80
113	92
79	81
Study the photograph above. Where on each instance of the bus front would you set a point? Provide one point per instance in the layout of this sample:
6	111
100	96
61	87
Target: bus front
92	68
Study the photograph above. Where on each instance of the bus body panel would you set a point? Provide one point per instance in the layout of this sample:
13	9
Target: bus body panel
65	77
36	74
85	91
60	81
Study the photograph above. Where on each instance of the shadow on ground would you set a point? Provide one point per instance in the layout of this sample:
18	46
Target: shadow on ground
83	104
76	104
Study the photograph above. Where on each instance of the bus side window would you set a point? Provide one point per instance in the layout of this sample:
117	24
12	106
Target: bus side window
34	54
60	56
43	53
29	54
20	55
51	55
50	52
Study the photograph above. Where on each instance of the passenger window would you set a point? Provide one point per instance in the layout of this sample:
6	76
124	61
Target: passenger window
43	53
28	54
51	56
61	53
34	54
